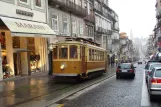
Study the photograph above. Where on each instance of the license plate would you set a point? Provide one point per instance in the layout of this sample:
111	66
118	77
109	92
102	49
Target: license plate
124	70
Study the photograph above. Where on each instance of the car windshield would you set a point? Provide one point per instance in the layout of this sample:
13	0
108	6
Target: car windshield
158	73
155	65
124	66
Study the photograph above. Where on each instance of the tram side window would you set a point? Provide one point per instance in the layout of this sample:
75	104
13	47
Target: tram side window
73	52
55	53
98	55
63	52
90	55
101	55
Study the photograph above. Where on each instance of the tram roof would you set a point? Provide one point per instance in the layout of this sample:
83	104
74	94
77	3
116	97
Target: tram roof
80	43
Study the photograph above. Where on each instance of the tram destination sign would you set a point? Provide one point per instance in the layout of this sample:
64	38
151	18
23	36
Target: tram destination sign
25	13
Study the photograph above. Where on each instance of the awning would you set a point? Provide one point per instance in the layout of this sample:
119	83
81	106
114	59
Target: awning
26	28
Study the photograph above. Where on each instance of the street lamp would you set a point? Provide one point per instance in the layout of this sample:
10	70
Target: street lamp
51	46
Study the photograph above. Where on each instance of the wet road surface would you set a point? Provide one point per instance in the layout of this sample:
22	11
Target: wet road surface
34	91
124	92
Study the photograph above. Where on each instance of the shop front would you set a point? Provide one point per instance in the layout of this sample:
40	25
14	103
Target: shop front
23	46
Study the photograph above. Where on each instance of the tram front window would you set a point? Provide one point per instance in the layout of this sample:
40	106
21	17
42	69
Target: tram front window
63	52
73	52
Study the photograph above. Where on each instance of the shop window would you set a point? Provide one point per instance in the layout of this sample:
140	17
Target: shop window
3	40
63	52
73	52
55	53
16	42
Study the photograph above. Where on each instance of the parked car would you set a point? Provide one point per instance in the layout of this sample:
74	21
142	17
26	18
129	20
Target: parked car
125	69
150	67
154	82
139	62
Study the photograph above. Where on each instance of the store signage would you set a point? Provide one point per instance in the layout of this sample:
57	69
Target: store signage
25	13
30	26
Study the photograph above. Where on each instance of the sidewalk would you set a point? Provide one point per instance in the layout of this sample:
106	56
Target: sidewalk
20	89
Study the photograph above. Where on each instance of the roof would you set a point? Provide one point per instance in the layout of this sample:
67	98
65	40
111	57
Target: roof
123	35
157	68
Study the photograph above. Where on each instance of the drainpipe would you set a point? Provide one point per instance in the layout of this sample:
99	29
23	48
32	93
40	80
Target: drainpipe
47	43
71	29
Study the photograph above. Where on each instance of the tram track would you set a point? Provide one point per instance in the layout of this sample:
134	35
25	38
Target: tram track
57	92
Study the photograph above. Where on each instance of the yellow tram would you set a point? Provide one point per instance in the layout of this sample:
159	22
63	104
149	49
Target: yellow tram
78	57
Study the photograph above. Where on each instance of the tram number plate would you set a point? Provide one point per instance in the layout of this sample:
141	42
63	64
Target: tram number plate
124	70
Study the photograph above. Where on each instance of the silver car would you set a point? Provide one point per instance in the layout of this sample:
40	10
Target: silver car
149	68
154	82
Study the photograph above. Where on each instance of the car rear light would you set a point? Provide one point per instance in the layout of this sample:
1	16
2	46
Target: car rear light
131	70
118	70
154	80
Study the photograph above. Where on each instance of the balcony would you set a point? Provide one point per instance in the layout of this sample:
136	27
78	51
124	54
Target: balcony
68	6
90	18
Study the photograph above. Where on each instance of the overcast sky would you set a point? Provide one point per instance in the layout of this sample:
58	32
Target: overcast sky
138	15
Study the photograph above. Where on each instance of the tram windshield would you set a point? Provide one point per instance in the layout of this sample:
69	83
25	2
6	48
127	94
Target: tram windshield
73	52
63	52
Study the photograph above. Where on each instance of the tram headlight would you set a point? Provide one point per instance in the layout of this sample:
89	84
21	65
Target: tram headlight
62	66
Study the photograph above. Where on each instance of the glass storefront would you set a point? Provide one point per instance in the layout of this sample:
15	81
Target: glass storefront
22	55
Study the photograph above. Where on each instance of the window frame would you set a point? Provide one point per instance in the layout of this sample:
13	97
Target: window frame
9	1
70	52
74	26
65	21
42	8
53	55
60	47
81	28
57	21
23	4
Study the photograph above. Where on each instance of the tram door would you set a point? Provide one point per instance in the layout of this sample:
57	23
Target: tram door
106	61
84	61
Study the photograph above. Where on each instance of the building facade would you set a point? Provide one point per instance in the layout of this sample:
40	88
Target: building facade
23	37
103	29
66	18
115	35
157	29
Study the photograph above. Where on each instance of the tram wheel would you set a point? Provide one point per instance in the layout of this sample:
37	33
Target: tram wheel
79	79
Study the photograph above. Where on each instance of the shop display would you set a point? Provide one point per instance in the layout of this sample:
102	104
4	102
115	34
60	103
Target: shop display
34	61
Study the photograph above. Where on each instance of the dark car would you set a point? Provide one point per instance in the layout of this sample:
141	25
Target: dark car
139	62
125	69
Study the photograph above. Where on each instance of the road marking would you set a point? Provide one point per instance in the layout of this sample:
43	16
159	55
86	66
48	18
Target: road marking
144	97
56	105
